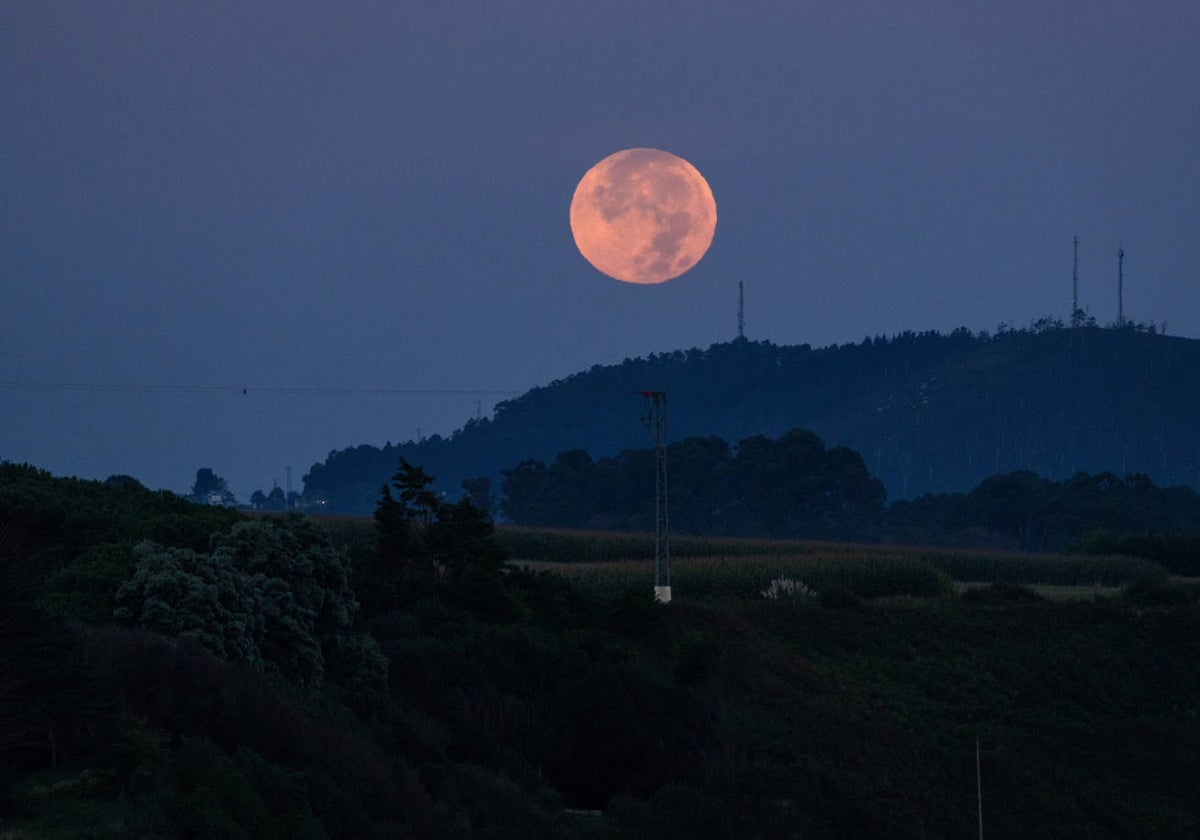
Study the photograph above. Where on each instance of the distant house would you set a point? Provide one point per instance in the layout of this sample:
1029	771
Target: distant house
211	489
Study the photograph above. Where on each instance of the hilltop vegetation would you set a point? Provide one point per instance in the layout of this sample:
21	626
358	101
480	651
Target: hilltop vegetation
929	413
394	678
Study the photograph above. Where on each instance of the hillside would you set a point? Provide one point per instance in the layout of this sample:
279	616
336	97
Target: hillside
928	412
176	670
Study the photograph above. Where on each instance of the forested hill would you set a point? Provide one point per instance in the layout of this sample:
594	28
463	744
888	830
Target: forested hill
928	412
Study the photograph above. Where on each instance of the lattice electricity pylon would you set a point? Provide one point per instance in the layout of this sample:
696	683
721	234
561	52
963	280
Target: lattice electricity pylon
655	420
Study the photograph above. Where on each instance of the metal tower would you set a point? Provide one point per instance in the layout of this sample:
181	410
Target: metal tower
741	313
655	420
1120	287
1075	313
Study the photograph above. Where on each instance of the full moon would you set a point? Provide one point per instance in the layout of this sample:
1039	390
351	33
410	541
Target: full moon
643	216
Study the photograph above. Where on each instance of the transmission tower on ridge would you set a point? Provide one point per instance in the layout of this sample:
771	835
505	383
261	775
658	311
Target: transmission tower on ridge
655	420
1075	313
1120	287
741	313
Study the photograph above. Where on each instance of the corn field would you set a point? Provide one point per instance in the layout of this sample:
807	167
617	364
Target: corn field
745	567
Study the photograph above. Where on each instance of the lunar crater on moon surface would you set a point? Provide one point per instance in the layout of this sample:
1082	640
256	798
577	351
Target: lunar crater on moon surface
643	216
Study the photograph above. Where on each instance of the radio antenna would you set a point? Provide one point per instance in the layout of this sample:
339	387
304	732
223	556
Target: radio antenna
741	313
1120	287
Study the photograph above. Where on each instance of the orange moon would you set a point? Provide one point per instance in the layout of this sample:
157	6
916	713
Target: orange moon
643	216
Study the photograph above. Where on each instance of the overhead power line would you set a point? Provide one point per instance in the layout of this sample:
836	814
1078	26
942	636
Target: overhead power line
134	387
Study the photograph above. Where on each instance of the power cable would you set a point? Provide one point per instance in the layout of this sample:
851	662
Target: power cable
132	387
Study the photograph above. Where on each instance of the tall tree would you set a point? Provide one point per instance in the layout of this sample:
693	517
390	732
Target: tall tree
523	500
479	491
423	541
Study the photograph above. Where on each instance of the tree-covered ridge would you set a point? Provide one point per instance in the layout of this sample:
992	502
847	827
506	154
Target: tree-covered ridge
930	413
69	515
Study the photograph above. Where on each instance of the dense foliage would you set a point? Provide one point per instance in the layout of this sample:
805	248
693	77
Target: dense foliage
153	684
788	487
795	488
1100	513
930	413
272	593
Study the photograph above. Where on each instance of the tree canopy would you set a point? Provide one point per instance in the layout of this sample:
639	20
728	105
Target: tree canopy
795	487
425	543
789	487
272	593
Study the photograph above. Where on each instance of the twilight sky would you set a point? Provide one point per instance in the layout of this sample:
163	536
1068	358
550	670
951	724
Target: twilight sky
313	201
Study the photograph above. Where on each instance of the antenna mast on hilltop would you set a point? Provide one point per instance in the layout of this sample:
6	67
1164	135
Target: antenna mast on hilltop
741	313
655	419
1075	319
1120	287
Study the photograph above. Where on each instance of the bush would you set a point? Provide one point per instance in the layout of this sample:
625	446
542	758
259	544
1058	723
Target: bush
1000	593
86	589
1178	553
1153	592
696	655
634	612
360	664
789	591
838	597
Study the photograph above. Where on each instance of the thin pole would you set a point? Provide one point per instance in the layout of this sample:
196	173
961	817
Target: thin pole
979	787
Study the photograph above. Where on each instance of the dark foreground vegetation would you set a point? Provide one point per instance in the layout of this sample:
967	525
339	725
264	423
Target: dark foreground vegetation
173	670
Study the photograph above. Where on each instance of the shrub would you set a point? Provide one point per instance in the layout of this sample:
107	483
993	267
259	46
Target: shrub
360	664
696	655
85	590
1000	592
791	591
1153	592
839	598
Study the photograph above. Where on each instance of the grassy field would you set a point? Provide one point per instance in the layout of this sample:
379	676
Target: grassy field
719	567
745	567
1053	592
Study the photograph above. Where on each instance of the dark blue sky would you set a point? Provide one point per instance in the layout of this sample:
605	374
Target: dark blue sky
357	196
